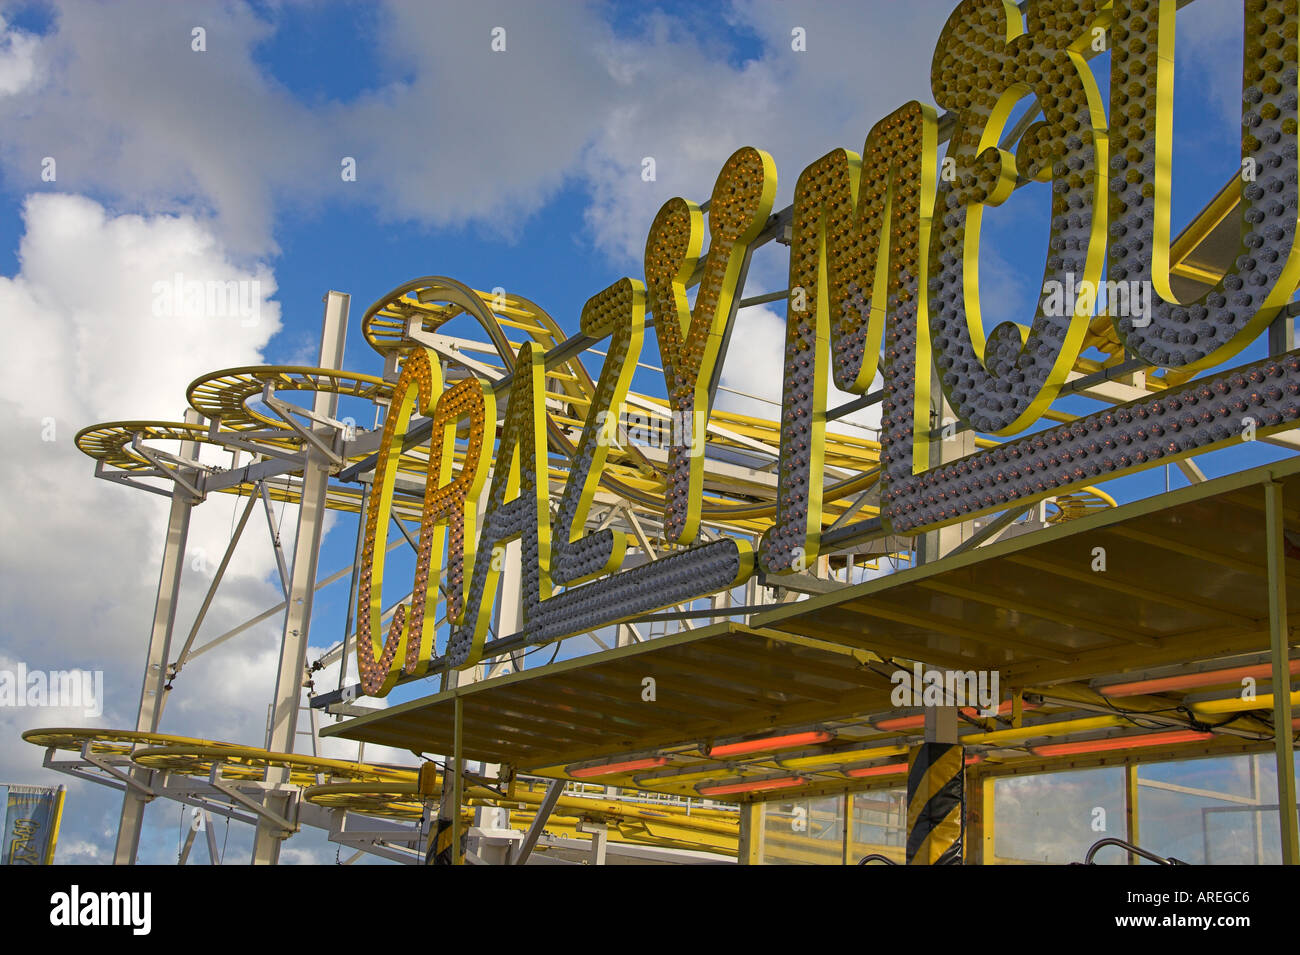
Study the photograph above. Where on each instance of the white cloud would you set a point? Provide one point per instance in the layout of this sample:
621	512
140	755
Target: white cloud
127	109
453	133
682	103
755	365
460	133
82	852
17	59
477	135
80	557
1209	48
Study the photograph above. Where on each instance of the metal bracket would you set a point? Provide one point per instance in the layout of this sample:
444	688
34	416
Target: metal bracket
113	771
520	855
275	540
159	460
449	348
286	411
122	477
219	784
70	768
228	440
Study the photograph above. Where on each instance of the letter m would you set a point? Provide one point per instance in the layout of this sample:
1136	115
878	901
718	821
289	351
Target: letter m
859	253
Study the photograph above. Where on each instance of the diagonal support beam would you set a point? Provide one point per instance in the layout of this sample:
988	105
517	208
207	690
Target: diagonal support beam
288	460
863	498
105	766
644	541
213	855
172	473
273	818
544	810
268	614
189	844
286	411
129	478
275	539
991	531
449	348
212	591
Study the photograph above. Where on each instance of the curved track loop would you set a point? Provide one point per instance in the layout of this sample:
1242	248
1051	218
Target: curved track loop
111	442
1080	503
739	487
198	758
107	742
393	792
225	395
434	301
188	756
639	823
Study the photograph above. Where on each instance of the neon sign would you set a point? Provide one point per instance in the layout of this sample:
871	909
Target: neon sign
884	277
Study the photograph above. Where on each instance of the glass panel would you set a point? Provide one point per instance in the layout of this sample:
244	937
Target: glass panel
1211	811
1054	818
807	832
1216	811
879	825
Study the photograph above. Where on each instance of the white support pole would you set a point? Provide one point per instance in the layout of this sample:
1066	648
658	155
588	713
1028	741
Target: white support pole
160	642
510	608
214	856
302	579
1280	645
599	833
937	544
941	722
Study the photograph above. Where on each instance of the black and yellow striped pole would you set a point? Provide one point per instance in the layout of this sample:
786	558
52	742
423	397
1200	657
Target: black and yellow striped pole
438	848
447	840
936	804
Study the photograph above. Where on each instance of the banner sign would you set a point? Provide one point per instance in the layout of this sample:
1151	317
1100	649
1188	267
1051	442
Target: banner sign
31	824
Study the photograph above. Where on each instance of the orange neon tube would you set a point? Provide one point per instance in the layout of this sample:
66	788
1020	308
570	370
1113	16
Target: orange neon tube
789	741
756	786
1189	680
610	769
1122	742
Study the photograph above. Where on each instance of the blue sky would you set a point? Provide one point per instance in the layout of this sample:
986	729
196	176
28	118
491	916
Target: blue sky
519	169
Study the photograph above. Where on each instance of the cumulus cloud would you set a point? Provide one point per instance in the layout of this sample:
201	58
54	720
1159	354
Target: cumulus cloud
475	133
129	110
755	372
456	133
78	570
688	107
1209	48
82	852
17	59
453	131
